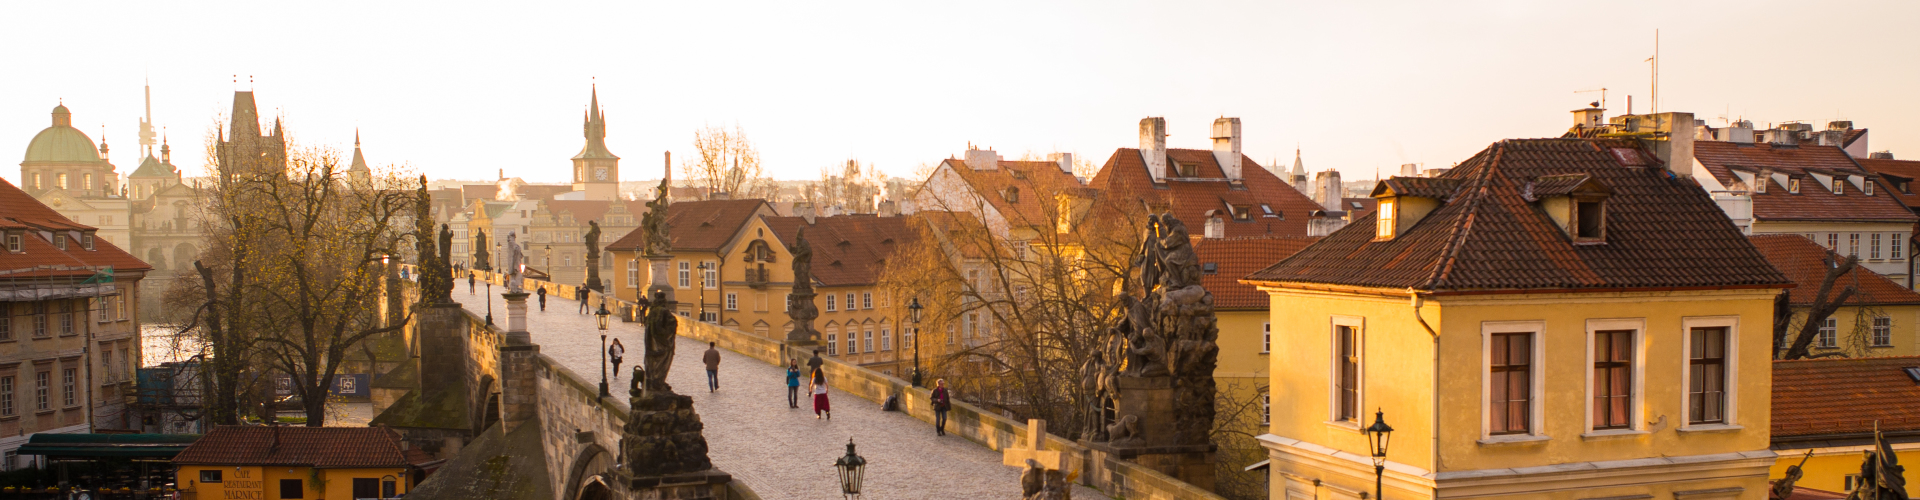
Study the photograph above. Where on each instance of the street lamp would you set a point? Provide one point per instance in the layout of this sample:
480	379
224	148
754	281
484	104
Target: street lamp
496	253
703	292
602	315
546	261
851	468
913	310
1377	436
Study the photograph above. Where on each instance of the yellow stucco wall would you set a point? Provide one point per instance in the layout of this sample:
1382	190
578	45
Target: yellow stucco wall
1398	373
1854	330
263	483
1242	370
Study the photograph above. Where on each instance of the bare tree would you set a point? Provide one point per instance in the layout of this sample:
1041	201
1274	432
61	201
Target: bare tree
1825	302
1239	419
725	162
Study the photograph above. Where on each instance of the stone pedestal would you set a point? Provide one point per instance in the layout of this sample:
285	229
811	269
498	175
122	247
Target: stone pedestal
1190	464
706	485
1153	443
659	267
517	319
662	438
1150	400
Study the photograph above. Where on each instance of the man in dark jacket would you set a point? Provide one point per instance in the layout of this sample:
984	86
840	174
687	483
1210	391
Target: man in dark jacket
542	292
712	359
581	295
813	364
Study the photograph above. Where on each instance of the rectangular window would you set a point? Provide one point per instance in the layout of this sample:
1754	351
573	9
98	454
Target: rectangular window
686	274
102	306
849	301
1833	241
13	242
883	300
6	396
210	476
1873	246
1883	332
6	321
710	278
733	301
886	339
1266	408
633	274
290	488
830	299
789	304
853	342
1266	337
1853	244
866	298
1867	187
1612	379
867	344
1510	378
39	319
42	385
66	387
1346	356
106	364
1896	246
1591	219
1386	217
64	309
1826	336
366	487
1707	376
833	343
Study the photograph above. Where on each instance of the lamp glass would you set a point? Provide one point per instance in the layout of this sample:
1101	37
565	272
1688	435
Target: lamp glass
1379	434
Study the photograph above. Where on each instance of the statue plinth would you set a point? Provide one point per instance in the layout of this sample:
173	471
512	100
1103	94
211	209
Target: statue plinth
659	268
662	437
517	319
1144	432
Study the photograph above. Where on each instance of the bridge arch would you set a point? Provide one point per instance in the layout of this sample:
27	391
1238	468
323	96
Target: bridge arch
587	478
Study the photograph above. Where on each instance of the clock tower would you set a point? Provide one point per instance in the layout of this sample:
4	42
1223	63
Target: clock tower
596	171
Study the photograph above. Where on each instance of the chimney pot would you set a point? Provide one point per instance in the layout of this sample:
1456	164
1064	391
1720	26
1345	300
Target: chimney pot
983	159
1153	146
1065	160
1226	147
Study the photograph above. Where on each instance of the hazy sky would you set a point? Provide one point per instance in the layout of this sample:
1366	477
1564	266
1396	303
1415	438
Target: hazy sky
459	90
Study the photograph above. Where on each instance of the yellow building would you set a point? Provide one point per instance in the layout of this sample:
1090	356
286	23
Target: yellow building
1880	318
703	234
1553	318
1825	412
294	463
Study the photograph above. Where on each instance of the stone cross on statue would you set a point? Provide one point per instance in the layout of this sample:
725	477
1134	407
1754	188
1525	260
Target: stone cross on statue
1035	450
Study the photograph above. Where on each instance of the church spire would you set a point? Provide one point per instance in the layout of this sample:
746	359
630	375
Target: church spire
595	130
359	161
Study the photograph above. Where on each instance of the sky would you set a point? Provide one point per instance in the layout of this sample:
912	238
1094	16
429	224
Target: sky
466	90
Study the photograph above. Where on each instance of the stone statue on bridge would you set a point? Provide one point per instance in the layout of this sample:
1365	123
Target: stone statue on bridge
516	259
444	267
482	259
593	257
801	311
654	223
662	443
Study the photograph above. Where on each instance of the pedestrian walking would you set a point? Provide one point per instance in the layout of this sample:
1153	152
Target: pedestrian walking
614	353
813	365
793	383
469	283
581	295
819	389
403	274
942	401
542	292
712	358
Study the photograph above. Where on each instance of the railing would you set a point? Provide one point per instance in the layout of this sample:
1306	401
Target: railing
759	278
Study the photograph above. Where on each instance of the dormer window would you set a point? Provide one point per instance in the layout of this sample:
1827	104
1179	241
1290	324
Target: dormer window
1188	169
1267	210
1793	185
1012	195
1216	227
1240	212
1590	220
1867	188
60	241
1575	202
1386	217
1839	186
14	242
86	240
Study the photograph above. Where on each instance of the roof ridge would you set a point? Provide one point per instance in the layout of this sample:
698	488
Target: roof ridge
1457	236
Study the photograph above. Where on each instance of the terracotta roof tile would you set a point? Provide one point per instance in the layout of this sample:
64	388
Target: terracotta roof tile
1125	177
20	211
1233	258
1888	170
1038	181
1803	261
1815	397
1814	202
1661	232
1439	188
847	249
320	447
700	225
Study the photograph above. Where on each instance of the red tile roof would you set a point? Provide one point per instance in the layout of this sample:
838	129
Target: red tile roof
1909	170
319	447
1234	258
848	250
1814	202
18	211
1359	207
582	210
1802	261
1125	177
1839	396
1038	182
1662	232
700	225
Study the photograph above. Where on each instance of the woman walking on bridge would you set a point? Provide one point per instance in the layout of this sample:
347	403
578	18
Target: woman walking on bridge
793	384
819	389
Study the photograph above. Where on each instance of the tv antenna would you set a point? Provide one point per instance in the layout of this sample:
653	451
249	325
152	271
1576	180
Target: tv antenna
1602	103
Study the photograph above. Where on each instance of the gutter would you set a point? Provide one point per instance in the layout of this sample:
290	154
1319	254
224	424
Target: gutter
1434	429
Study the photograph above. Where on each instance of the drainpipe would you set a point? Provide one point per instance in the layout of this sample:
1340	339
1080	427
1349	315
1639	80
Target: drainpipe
1434	429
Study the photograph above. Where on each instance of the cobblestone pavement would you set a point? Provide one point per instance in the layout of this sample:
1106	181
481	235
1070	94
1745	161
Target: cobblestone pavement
780	452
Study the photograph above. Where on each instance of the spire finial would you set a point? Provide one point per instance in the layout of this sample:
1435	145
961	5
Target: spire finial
356	137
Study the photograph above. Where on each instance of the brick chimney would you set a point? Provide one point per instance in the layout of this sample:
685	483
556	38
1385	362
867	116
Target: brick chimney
1669	134
982	159
1226	147
1153	146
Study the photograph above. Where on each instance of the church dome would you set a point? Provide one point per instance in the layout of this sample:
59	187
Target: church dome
62	143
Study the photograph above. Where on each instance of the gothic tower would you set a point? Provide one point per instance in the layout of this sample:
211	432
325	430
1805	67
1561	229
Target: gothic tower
245	150
596	171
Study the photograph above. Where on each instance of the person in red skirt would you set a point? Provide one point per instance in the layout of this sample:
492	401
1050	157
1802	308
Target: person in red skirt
819	389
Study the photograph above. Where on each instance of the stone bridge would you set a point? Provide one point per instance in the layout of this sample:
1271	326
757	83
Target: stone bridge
549	435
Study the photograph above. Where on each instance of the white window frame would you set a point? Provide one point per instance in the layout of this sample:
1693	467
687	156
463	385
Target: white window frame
686	275
1878	332
866	342
733	301
1266	338
849	305
710	278
1266	408
1636	409
886	338
633	273
1827	336
866	298
1358	324
1873	246
1896	246
1732	366
833	341
1536	374
830	303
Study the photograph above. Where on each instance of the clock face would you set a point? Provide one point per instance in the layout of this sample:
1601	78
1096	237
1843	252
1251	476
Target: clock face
600	174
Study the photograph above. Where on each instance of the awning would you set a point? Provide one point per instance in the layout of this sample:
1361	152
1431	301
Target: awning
107	445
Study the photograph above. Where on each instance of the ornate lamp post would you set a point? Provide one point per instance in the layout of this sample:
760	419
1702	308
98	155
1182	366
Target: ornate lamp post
851	467
1377	436
496	253
702	314
913	310
602	315
546	261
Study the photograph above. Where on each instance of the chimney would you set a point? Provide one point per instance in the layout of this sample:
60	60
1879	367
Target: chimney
1881	155
1589	117
1784	135
1740	132
982	159
1226	147
1153	147
1840	125
1328	190
1409	170
1065	160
